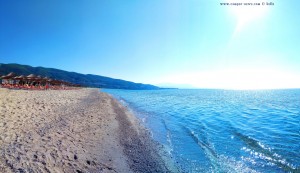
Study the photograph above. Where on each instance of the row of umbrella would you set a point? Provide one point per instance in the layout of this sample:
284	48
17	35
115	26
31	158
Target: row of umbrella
34	79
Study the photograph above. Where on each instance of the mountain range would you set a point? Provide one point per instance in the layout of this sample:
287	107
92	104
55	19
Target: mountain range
87	80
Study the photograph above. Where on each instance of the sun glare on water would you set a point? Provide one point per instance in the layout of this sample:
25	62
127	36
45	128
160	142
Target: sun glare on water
239	79
257	78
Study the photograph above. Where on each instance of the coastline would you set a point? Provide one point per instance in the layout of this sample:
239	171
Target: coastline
72	131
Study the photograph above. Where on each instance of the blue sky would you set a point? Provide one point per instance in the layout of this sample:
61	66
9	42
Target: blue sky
198	43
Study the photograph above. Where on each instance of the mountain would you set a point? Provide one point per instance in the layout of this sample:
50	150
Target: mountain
88	80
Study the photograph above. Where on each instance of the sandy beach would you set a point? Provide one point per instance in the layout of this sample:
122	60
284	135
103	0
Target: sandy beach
72	131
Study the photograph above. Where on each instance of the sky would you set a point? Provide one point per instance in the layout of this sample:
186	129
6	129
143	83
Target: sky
188	43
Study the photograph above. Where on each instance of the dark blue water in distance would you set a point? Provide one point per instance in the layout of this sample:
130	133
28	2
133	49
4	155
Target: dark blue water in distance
222	130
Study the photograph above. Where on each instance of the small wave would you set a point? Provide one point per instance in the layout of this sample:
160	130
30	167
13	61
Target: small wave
261	151
220	163
211	117
168	136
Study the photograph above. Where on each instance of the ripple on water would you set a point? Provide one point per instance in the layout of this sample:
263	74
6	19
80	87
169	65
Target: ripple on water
223	131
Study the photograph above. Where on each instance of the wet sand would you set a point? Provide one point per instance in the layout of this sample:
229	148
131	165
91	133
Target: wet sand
72	131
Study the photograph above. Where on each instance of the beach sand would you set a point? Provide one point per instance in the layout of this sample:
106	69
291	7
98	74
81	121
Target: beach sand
72	131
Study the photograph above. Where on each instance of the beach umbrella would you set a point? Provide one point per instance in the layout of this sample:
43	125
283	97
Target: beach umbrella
19	78
30	78
11	74
2	76
3	79
38	79
52	81
9	77
44	80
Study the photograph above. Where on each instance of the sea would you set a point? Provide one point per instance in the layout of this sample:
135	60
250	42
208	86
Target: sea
208	130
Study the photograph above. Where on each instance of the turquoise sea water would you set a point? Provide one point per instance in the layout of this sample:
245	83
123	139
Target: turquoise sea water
221	130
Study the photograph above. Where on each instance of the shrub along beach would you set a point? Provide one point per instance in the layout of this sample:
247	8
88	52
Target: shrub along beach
80	130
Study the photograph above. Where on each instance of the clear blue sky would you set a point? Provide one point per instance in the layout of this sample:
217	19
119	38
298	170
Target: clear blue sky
195	42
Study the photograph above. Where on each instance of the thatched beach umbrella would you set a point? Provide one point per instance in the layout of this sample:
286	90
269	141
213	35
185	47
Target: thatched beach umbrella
20	79
54	82
3	81
38	78
50	80
8	78
44	80
11	74
30	78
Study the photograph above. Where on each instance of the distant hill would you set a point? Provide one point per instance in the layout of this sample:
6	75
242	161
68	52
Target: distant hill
88	80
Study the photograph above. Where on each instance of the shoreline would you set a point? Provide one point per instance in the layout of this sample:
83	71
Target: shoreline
72	131
143	152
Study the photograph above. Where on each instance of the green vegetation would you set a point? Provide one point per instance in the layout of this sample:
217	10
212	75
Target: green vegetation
88	80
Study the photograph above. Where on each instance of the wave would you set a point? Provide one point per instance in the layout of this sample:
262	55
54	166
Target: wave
168	137
220	163
196	126
265	153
